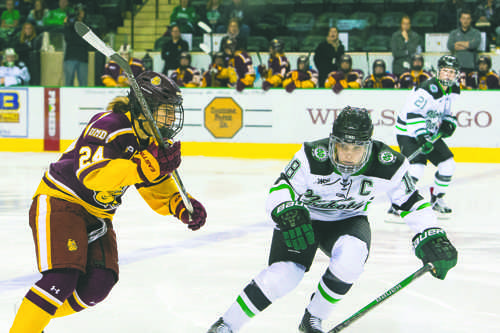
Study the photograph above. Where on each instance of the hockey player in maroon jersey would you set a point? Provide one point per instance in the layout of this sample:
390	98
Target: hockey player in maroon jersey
73	207
345	77
186	75
302	77
242	64
113	75
416	75
380	77
484	78
218	75
277	66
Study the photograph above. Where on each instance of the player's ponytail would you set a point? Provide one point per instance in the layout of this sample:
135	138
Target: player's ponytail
119	105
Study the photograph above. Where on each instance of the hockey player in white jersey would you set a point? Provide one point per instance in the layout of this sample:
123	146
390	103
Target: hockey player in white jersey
321	200
426	114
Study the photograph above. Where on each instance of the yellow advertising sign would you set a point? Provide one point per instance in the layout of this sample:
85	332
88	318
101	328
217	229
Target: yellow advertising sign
223	117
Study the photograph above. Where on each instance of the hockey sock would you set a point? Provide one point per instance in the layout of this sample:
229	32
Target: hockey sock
66	309
249	303
30	318
330	291
441	183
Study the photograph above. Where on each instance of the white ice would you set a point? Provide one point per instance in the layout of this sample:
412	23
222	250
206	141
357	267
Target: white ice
176	280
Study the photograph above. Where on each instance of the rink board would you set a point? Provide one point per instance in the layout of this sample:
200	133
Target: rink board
252	124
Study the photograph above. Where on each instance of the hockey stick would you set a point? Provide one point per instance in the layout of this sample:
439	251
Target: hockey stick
424	269
419	150
84	31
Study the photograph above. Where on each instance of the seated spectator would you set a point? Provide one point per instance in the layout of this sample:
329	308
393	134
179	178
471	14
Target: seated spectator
238	9
10	21
13	72
302	77
114	76
486	17
27	48
242	64
57	17
38	14
213	15
380	77
484	78
219	74
416	75
327	54
277	66
186	76
172	49
233	33
345	77
185	17
405	43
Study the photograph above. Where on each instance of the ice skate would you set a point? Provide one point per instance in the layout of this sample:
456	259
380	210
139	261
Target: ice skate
310	324
220	327
439	206
393	216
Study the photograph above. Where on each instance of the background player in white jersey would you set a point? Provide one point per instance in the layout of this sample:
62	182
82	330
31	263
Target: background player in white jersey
427	113
320	200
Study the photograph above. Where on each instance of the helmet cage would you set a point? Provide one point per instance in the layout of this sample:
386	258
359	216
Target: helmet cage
452	63
348	169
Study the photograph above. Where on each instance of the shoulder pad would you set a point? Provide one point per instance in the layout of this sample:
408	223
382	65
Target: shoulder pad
431	86
384	162
318	157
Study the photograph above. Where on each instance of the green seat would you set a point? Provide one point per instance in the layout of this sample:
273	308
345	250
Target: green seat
257	44
327	20
378	43
356	44
390	20
300	22
290	42
369	17
310	43
424	19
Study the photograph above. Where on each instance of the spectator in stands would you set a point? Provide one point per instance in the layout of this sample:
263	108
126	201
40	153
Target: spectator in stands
277	66
172	49
328	54
185	16
486	16
114	76
464	43
243	74
213	15
27	48
233	33
238	9
416	75
345	77
484	78
76	57
186	75
218	75
38	14
380	78
303	77
57	17
12	71
10	21
405	43
448	15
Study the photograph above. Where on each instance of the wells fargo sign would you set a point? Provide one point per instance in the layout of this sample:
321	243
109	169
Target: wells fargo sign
223	117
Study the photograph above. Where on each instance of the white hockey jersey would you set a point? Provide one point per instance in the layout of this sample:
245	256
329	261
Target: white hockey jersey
425	108
17	75
311	178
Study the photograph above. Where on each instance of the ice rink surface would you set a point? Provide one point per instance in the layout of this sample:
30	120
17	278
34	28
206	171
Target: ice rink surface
176	280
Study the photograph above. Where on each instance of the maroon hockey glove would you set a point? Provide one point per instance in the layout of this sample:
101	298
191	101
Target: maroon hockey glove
266	85
178	209
155	162
337	88
240	85
290	87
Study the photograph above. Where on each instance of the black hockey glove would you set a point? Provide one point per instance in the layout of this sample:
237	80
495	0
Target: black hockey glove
425	142
293	219
448	126
433	246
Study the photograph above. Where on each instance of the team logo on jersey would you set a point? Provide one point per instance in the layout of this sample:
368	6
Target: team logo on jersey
320	153
109	199
433	88
72	245
156	81
386	157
